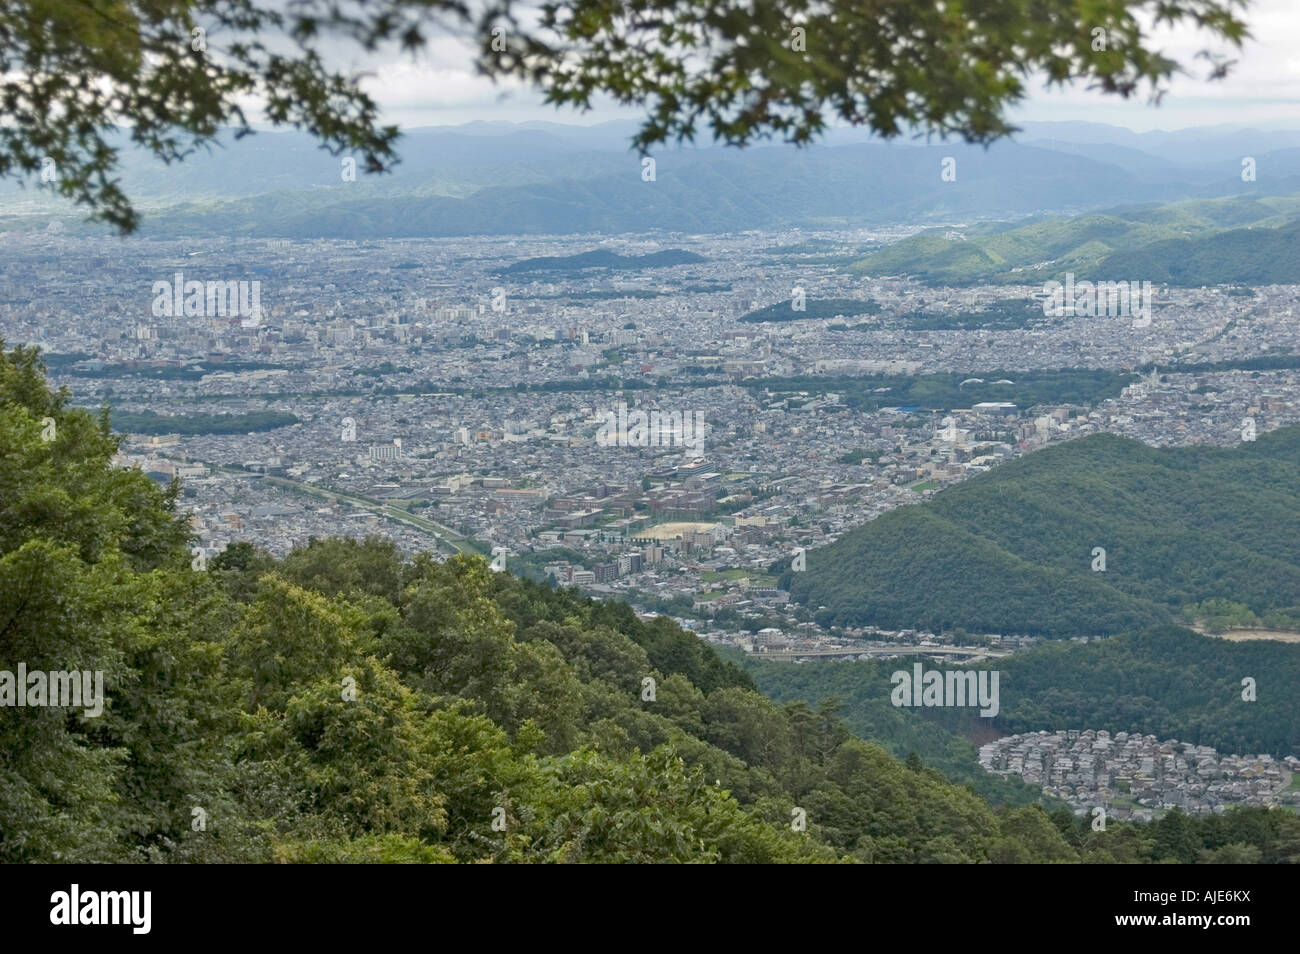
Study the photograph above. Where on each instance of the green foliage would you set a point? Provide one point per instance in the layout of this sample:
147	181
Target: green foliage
813	308
998	316
1165	681
1255	256
1193	242
150	422
1011	551
858	456
175	87
788	69
861	691
1220	615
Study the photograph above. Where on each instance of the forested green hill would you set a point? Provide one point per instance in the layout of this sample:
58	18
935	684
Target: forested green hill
853	690
1165	681
344	705
1012	550
1192	242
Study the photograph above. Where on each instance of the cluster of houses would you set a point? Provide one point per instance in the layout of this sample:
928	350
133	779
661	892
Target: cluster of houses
1137	776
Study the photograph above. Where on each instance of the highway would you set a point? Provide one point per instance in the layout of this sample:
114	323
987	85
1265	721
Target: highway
445	535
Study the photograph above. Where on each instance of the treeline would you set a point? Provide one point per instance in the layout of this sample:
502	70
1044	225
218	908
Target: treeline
858	456
343	705
1164	681
812	308
1219	616
1284	361
858	692
1251	256
1232	241
379	370
1001	315
151	422
1096	536
604	258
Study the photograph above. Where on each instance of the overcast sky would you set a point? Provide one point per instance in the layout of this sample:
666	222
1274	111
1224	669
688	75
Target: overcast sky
1263	89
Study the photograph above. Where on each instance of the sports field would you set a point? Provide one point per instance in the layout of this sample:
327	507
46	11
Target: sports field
672	530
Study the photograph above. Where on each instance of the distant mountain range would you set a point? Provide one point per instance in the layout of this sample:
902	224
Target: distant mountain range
1015	550
501	178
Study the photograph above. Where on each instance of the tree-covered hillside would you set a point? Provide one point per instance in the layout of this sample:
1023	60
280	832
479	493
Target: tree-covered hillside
1165	681
1192	242
342	704
858	692
1015	550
